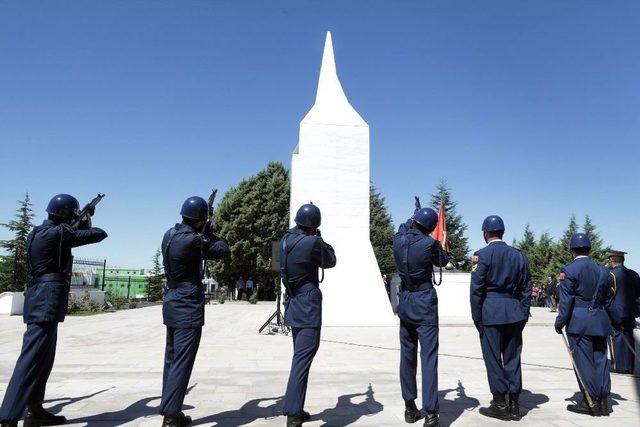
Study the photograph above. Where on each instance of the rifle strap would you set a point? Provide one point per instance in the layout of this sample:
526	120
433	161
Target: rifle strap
165	254
286	250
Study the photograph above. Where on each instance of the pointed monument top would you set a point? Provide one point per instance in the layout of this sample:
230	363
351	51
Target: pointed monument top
332	106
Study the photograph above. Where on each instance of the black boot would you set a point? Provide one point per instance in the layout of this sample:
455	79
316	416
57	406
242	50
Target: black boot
411	412
497	409
605	409
180	420
37	416
514	407
583	407
297	420
431	419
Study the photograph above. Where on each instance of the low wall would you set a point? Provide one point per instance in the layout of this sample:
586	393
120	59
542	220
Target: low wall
11	303
453	294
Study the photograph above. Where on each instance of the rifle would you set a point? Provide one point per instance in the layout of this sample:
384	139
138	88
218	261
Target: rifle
87	211
210	201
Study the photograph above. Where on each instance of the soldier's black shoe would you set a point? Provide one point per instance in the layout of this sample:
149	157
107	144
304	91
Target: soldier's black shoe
605	409
497	409
180	420
296	420
431	419
583	407
411	413
38	416
514	407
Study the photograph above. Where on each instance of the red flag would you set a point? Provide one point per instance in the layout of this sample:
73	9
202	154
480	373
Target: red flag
440	232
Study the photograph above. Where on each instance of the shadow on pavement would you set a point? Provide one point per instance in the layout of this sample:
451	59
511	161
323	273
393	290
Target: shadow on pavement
530	401
246	414
65	401
452	409
139	409
346	412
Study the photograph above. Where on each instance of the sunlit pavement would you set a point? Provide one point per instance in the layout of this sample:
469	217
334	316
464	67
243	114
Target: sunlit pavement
108	372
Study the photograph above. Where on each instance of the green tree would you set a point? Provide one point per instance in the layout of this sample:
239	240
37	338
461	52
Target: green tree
381	231
541	261
16	276
251	216
528	242
456	228
597	246
562	255
155	280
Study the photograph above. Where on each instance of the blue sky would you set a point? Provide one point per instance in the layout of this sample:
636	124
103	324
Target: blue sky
529	109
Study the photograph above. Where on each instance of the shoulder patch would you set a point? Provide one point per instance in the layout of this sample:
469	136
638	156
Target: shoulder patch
562	277
475	259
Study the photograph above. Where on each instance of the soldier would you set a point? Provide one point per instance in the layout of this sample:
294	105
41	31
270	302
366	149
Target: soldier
585	294
415	254
500	302
184	248
302	252
48	251
626	293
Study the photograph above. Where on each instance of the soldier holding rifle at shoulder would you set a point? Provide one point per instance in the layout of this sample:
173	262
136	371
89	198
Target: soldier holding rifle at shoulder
302	252
185	247
585	297
49	259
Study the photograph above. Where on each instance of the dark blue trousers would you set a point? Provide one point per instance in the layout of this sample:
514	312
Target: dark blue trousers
306	342
180	354
29	379
501	350
590	355
622	358
427	336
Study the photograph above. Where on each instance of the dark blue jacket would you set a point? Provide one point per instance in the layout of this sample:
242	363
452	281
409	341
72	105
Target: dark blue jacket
500	285
50	261
585	297
415	255
627	284
183	250
300	256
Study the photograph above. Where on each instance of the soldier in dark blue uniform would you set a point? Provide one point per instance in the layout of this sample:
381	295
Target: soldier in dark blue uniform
184	248
302	252
585	296
415	254
500	301
48	250
625	302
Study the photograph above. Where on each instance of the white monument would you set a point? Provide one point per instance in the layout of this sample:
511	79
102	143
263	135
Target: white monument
330	167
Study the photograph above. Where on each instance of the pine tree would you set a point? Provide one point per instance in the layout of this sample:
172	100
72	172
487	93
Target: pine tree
528	242
381	231
16	276
597	246
541	261
456	228
562	255
155	280
251	216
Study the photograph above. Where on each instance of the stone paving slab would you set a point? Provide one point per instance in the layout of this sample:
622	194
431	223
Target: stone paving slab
108	372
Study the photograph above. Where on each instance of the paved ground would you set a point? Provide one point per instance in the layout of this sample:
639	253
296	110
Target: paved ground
108	372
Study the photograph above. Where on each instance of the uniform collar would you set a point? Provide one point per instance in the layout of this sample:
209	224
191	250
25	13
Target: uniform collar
185	227
580	256
495	241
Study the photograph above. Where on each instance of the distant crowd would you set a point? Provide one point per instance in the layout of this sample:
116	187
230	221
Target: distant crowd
545	295
240	289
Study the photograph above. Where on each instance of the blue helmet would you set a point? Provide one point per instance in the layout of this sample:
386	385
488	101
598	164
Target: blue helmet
195	208
427	218
579	241
308	216
492	223
64	206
